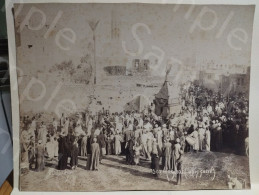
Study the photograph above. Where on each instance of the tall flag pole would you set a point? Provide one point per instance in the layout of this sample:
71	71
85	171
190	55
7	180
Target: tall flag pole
93	25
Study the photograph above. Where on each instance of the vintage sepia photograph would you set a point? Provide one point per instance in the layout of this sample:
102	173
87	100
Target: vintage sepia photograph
133	96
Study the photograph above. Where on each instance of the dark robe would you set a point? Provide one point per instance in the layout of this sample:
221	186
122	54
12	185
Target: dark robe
128	135
79	146
74	155
155	157
123	144
63	147
213	137
218	139
102	144
109	146
88	145
69	140
178	152
228	134
31	154
130	152
240	149
40	164
154	163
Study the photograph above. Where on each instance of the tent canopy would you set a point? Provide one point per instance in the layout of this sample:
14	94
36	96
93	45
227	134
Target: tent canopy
138	103
168	91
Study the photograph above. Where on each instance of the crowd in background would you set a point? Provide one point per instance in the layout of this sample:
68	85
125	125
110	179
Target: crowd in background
207	122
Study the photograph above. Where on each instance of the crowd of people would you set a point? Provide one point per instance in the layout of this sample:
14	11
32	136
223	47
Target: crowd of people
207	122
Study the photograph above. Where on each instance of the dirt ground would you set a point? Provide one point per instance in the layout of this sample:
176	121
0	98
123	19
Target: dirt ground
204	170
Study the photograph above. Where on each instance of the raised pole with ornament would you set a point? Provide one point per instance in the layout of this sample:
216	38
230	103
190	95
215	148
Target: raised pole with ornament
93	25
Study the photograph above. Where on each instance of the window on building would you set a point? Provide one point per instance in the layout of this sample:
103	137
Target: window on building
146	64
136	63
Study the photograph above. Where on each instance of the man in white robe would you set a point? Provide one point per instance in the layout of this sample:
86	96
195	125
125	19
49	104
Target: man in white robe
207	139
201	132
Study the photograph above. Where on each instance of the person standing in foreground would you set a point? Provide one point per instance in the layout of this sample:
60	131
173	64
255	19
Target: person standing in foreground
74	154
102	145
130	151
155	154
178	152
31	152
95	148
117	143
195	136
62	121
84	146
63	148
55	125
40	149
201	133
207	139
42	133
137	147
144	138
167	150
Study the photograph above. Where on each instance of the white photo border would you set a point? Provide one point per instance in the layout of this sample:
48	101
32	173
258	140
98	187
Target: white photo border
254	94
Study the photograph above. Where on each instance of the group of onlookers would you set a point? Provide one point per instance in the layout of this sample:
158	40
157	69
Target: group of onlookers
207	122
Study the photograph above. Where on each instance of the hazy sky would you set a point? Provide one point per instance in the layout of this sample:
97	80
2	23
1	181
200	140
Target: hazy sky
168	28
170	31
